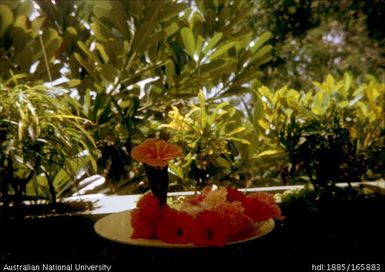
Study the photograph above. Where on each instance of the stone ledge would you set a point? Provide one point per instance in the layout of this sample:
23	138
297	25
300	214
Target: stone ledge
106	204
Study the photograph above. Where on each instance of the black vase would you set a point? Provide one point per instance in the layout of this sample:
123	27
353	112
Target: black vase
158	179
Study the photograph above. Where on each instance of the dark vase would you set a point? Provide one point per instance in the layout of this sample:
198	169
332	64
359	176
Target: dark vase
158	179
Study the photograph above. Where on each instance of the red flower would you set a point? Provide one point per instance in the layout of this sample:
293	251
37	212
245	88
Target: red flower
261	206
210	229
233	194
149	208
141	228
240	225
156	153
145	216
174	226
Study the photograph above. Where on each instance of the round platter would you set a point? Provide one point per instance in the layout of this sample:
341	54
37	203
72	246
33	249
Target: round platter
117	227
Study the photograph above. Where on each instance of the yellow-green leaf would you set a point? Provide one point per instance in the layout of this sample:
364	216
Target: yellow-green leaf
203	109
213	42
188	41
85	49
235	131
267	153
6	19
222	50
262	39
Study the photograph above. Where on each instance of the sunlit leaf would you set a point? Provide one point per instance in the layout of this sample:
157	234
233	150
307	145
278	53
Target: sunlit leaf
188	41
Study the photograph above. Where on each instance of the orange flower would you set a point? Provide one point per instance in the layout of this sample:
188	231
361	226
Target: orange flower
156	153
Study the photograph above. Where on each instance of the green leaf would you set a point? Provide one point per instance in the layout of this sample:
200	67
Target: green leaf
102	52
263	51
235	131
178	171
243	141
147	27
321	103
258	110
73	83
267	153
212	66
86	65
221	50
101	32
6	19
171	10
85	49
171	29
188	41
203	109
262	39
213	42
222	163
170	72
108	72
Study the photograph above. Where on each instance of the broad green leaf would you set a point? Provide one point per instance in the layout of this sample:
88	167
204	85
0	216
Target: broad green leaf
108	72
85	49
170	73
347	83
262	60
171	10
198	46
6	19
86	65
188	41
222	163
212	66
261	40
266	92
321	103
147	27
261	52
101	32
258	110
102	52
218	113
222	50
171	29
213	42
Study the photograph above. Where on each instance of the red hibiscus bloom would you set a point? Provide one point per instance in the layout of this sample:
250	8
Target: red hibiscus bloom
261	206
233	194
240	225
141	228
156	153
174	226
210	229
149	208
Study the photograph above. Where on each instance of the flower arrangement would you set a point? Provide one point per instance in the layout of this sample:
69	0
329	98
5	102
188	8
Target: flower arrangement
212	218
216	216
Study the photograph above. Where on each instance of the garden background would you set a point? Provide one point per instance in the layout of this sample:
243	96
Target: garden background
257	93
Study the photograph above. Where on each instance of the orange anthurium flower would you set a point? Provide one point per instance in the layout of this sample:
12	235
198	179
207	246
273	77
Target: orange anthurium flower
156	153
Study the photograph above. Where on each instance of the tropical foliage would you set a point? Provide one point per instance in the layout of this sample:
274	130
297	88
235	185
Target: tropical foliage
44	147
82	82
333	132
211	137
